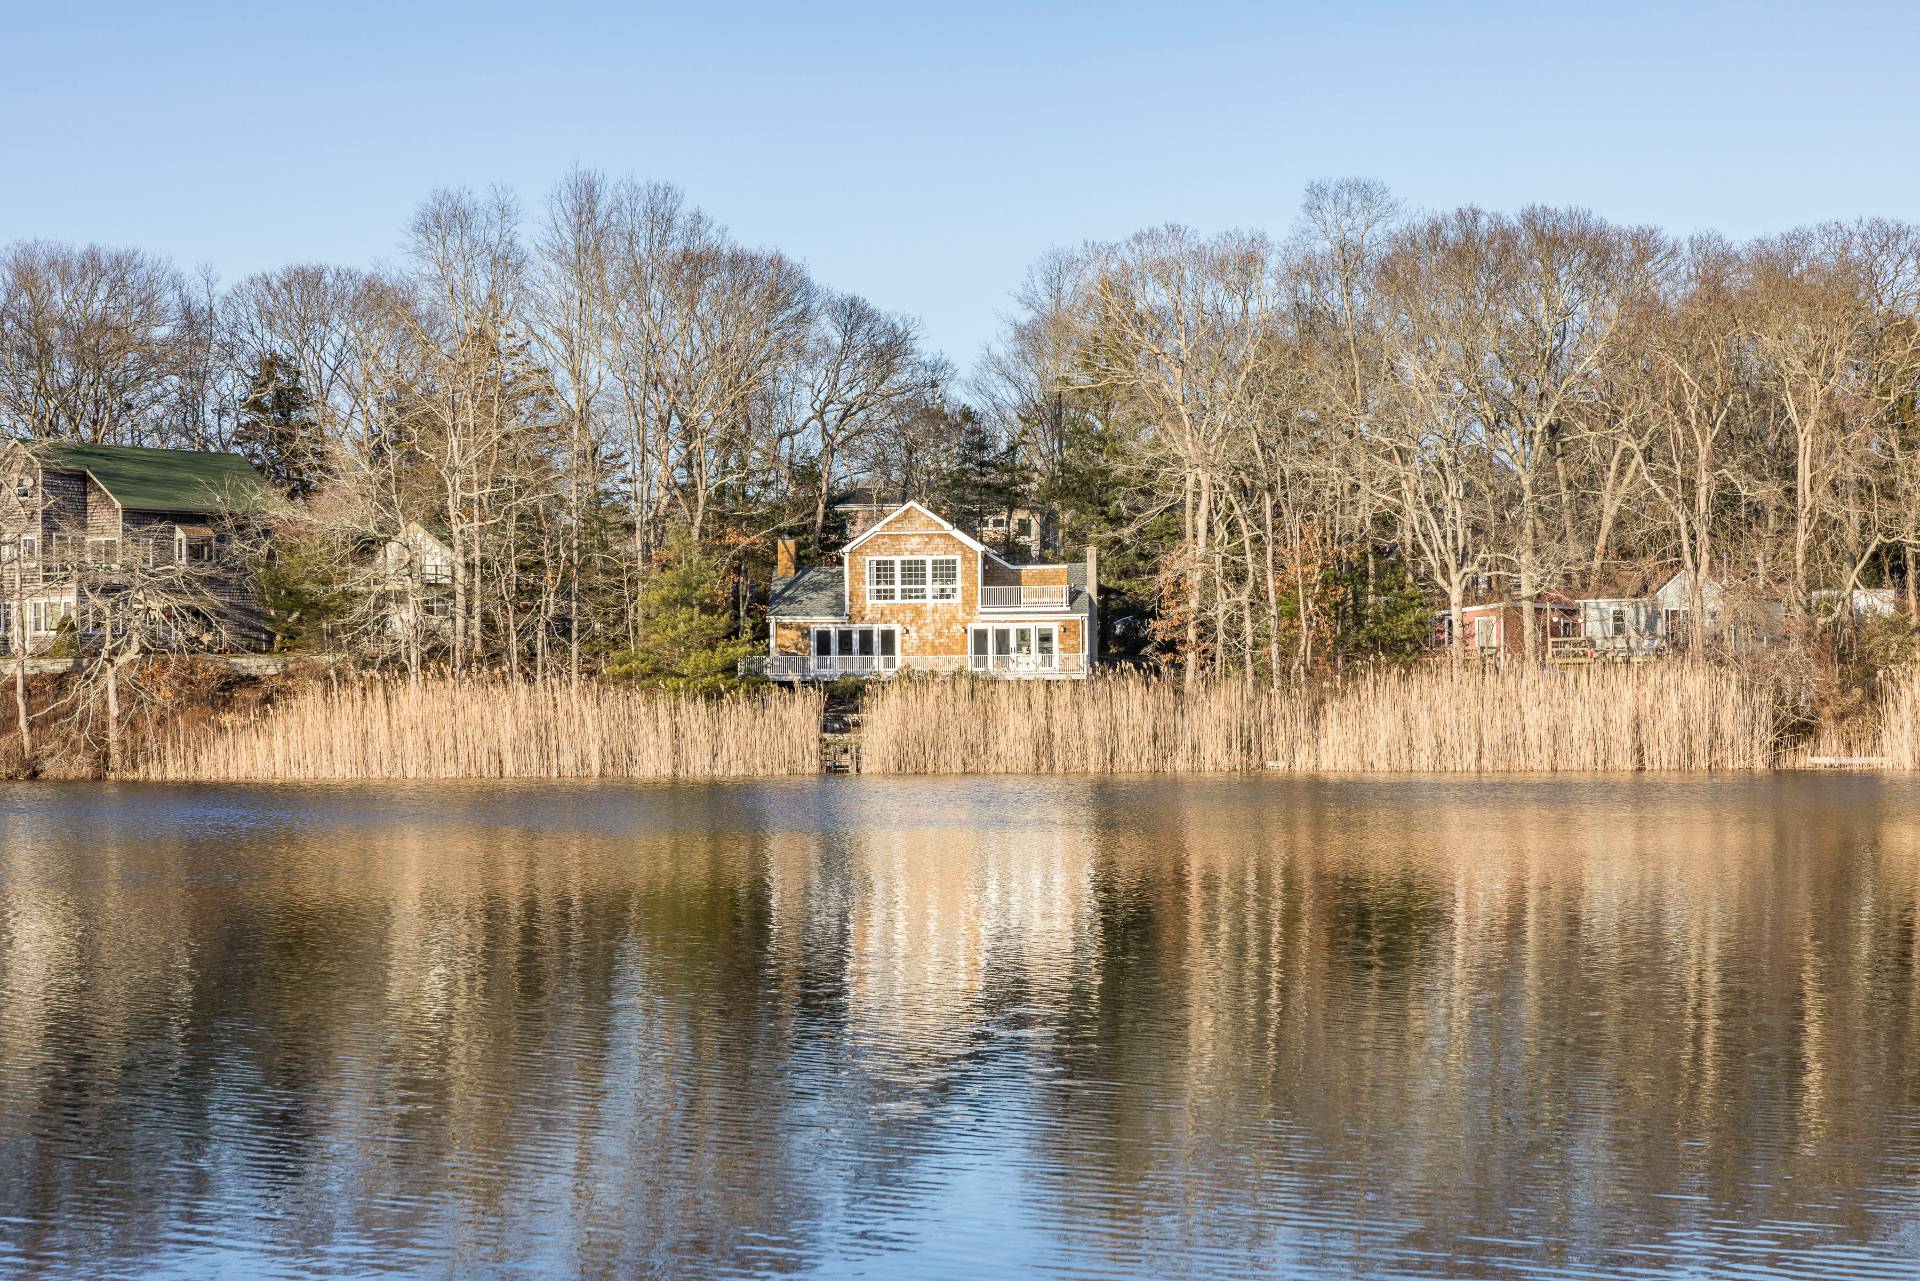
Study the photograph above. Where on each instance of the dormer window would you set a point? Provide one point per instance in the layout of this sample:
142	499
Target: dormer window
193	543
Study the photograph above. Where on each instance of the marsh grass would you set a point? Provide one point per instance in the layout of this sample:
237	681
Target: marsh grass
445	728
1656	716
1898	743
1665	716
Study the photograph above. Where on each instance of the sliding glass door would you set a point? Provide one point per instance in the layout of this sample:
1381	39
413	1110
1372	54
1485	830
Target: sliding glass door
852	651
1015	647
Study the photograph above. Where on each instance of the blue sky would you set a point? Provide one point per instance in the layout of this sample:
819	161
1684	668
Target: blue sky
924	154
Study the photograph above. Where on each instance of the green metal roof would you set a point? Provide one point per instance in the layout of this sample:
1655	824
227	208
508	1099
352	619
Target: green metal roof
160	480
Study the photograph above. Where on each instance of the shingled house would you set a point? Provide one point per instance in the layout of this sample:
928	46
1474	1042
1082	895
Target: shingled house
86	529
914	593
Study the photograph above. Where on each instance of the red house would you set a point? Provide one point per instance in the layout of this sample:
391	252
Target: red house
1495	629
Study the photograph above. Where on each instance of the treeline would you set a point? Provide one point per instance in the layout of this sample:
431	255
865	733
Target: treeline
604	409
1485	405
1290	449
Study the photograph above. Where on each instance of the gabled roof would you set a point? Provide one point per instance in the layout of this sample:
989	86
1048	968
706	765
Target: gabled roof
916	505
158	480
817	592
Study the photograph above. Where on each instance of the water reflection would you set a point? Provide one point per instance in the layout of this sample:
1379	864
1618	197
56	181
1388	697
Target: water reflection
963	1027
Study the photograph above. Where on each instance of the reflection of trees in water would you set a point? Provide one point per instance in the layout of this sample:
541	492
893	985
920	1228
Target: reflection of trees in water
1427	1021
1300	1020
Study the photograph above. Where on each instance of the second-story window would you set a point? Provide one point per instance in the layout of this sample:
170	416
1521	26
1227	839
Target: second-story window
905	578
892	578
913	578
883	579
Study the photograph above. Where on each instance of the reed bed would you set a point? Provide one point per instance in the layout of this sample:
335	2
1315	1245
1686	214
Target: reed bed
1899	739
445	728
1667	716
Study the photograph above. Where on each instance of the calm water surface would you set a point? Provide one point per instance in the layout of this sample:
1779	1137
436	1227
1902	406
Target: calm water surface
933	1028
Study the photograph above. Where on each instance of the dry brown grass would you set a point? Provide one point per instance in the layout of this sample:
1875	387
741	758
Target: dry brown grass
1666	716
1899	738
444	728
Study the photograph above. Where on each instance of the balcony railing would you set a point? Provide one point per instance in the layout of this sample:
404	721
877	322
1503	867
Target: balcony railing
807	667
1036	596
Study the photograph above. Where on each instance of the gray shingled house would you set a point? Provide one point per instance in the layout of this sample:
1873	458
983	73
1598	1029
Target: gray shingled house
90	531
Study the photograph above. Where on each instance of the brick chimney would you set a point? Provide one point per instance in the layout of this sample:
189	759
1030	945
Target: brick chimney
783	556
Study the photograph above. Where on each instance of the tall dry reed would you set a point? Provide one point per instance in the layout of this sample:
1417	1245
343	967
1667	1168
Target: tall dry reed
1667	716
446	728
1899	741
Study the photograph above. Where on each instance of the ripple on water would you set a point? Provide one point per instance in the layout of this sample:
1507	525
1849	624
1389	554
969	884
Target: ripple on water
910	1028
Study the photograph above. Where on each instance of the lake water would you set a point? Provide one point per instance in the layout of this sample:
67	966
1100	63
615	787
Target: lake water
963	1028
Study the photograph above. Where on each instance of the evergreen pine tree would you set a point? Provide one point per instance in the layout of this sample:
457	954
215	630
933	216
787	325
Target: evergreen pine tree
276	430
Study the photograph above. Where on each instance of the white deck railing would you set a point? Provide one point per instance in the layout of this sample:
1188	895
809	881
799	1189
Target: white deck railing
1036	596
806	667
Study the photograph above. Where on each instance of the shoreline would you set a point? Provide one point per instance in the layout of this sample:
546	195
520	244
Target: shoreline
1681	717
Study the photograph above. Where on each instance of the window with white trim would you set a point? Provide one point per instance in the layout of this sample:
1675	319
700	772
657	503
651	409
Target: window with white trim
45	616
855	650
1014	647
883	578
905	578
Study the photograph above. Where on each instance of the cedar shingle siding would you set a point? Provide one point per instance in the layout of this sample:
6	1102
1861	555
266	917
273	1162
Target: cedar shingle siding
1045	630
84	494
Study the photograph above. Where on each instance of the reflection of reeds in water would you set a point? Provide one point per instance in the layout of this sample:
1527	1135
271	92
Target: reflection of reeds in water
448	728
1668	716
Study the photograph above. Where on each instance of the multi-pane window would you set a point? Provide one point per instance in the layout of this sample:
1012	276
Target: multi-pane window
855	650
1016	647
891	578
45	616
946	577
913	578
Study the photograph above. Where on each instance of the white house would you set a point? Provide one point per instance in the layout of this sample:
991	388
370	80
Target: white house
1640	626
417	573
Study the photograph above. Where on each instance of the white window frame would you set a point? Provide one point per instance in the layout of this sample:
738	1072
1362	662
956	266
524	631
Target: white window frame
828	660
926	590
883	591
44	616
1486	632
1013	660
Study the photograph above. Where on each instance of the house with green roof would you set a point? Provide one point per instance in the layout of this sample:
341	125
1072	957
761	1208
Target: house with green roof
95	536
